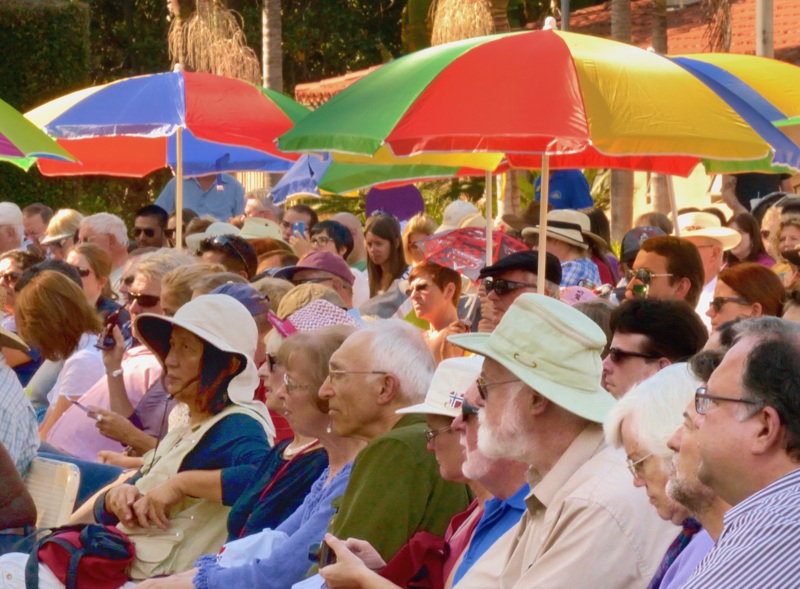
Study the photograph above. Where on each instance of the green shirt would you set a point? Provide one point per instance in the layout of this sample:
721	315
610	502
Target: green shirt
360	265
395	490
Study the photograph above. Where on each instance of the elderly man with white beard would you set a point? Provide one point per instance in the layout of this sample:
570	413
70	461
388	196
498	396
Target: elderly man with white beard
585	524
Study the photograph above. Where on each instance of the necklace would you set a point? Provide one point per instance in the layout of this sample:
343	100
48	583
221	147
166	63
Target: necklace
290	452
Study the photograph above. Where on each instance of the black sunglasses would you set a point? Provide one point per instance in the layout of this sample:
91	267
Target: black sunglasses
502	286
467	410
145	300
148	231
11	276
643	275
170	233
84	272
223	241
718	302
618	355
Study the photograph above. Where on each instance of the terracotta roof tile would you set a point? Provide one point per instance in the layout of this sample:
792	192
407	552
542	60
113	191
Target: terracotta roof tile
687	26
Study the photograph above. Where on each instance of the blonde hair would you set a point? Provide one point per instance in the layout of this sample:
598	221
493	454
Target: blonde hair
181	279
775	236
64	221
419	223
53	314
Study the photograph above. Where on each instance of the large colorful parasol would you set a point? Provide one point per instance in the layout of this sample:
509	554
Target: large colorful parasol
21	139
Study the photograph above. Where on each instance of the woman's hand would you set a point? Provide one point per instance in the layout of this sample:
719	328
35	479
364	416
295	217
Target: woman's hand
443	349
112	357
366	552
119	459
349	571
153	508
112	425
120	501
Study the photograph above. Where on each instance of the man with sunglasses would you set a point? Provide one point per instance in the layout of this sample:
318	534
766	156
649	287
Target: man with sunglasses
512	276
233	252
667	268
585	524
149	226
649	335
749	438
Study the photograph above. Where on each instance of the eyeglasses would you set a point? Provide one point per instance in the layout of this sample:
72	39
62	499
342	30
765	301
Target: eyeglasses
718	302
11	277
84	272
145	301
320	241
643	275
338	374
468	411
618	355
148	231
502	286
483	386
635	466
417	287
223	241
702	400
430	434
290	385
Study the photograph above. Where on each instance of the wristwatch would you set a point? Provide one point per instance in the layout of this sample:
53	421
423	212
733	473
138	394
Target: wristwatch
115	373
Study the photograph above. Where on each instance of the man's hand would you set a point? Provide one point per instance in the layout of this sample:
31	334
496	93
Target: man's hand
300	242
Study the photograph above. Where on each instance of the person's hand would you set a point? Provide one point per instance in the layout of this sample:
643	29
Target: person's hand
112	357
443	349
300	243
119	459
348	572
179	581
120	501
153	508
366	552
112	425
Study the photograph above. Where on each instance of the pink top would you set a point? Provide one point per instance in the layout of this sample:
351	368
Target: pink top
75	432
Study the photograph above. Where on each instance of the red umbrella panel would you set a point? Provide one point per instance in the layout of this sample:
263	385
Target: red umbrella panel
464	250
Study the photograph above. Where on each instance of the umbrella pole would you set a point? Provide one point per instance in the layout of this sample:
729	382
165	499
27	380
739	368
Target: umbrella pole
545	196
673	205
489	216
179	189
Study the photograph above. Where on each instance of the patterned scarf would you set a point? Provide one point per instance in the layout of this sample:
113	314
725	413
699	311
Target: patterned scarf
690	528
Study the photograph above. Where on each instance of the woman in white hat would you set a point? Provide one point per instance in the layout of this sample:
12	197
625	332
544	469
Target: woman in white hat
176	507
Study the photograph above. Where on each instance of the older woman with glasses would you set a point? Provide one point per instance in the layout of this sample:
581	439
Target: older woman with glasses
642	423
746	290
62	233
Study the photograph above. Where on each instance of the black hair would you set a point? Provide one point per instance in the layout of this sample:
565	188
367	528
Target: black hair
217	370
154	211
672	328
340	235
56	265
240	256
306	210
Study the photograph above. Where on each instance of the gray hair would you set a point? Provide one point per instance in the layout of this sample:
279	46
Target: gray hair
397	347
109	224
19	232
264	199
154	266
656	406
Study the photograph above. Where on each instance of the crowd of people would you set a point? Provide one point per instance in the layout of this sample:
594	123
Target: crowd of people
282	401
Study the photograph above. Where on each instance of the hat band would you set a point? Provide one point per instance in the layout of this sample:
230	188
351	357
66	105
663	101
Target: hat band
565	225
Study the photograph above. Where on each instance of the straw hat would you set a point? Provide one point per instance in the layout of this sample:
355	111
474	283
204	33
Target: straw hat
562	362
708	225
260	228
566	225
450	381
9	339
219	228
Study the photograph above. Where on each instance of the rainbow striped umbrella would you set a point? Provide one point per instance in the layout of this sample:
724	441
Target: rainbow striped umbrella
20	139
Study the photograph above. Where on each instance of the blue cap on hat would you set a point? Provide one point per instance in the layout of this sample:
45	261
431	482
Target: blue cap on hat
254	301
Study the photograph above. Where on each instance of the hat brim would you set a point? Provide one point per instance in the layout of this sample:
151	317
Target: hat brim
425	409
556	233
9	339
516	222
727	237
592	405
52	238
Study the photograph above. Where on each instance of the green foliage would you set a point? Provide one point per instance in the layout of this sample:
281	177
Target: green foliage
44	50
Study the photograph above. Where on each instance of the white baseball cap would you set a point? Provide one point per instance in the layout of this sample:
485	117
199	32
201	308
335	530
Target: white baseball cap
450	381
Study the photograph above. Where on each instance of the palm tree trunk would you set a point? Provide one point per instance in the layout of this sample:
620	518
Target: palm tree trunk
621	180
272	54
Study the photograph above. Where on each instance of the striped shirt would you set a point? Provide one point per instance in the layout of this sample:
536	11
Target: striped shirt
758	547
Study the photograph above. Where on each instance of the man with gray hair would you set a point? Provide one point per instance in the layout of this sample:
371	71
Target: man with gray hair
108	232
749	442
12	229
395	489
586	525
258	203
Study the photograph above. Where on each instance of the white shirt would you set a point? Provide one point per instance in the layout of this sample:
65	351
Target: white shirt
81	370
706	296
